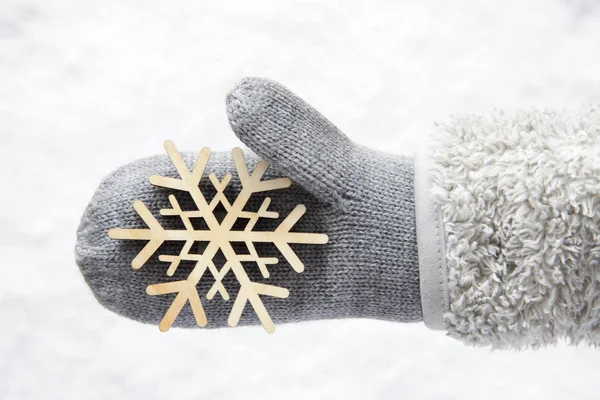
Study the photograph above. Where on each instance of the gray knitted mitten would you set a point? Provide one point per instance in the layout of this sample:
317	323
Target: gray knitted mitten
361	198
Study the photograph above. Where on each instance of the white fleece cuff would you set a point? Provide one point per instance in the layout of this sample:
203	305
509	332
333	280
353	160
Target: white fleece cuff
511	201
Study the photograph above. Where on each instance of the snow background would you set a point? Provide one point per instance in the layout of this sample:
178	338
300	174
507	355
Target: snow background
87	86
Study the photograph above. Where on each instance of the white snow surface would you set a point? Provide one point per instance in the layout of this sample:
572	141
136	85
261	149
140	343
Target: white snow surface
88	86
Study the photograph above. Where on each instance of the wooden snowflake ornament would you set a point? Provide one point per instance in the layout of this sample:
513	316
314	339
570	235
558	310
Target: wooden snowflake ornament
219	237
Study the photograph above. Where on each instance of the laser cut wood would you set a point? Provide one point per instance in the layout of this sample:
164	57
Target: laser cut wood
219	236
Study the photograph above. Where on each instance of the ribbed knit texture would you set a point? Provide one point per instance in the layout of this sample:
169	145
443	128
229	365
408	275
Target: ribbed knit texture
361	198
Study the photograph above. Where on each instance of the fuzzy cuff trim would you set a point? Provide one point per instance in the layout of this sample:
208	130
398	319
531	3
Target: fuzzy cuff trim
519	196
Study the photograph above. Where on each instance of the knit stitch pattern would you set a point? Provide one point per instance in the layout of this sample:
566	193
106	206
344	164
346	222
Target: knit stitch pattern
362	199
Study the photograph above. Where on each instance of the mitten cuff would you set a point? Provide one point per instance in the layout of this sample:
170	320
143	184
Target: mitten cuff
515	199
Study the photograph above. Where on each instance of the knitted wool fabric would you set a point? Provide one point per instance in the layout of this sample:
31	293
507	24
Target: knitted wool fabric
362	199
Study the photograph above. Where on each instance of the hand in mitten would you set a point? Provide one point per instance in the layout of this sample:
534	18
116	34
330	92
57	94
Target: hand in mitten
362	199
491	233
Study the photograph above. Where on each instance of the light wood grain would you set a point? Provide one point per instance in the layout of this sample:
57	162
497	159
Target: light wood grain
219	237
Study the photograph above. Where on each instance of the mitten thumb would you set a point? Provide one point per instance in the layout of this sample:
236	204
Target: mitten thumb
294	137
